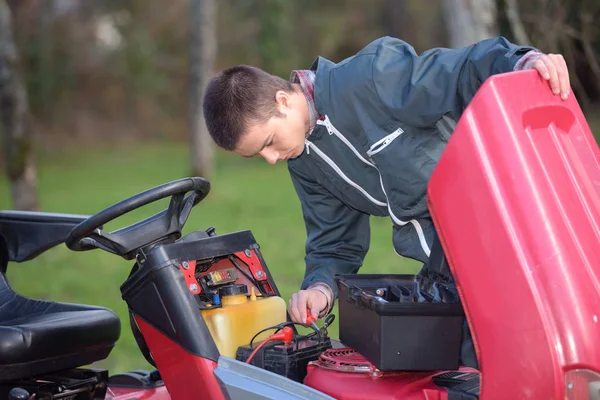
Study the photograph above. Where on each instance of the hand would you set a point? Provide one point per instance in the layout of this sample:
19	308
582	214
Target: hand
312	299
553	68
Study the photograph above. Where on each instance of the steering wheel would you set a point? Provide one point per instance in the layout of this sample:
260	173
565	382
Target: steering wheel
125	242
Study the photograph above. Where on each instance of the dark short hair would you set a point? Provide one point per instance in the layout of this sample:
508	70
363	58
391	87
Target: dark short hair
237	96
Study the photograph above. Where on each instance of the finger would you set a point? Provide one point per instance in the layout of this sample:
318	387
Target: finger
548	62
541	68
302	304
563	74
293	308
560	72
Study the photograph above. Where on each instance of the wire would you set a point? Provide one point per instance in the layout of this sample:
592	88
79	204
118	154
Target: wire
283	325
329	320
286	336
264	330
257	349
239	268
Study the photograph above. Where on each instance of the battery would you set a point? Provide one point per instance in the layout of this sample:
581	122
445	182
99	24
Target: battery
289	360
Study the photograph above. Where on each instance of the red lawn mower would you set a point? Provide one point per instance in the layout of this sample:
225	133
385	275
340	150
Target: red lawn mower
516	203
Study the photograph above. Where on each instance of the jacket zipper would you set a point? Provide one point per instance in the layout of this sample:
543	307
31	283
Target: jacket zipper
333	131
383	143
337	169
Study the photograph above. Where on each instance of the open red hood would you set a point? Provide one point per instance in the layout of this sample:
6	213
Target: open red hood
516	201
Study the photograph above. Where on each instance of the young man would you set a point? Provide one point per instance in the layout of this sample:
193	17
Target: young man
361	137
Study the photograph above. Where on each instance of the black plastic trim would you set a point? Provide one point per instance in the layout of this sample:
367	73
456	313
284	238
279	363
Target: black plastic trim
159	295
27	234
203	249
40	217
138	379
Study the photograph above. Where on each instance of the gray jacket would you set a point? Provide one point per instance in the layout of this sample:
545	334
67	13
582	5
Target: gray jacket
388	114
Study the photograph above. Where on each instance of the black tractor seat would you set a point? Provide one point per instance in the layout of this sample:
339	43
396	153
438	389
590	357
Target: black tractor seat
38	336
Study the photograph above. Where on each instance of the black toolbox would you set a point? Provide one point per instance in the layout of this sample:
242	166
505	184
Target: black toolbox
395	330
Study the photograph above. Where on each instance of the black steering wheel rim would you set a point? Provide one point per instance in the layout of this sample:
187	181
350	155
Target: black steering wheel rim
174	217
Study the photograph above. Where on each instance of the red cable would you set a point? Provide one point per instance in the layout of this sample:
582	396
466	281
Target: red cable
286	335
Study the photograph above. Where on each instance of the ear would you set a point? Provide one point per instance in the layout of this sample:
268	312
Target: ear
283	100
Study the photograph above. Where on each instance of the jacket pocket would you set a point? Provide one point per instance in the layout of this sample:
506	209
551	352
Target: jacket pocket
404	167
384	142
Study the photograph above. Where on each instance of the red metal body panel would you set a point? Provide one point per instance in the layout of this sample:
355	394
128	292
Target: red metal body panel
516	201
361	386
185	375
120	393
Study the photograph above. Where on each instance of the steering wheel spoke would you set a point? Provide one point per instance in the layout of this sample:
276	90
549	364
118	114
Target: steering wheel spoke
89	244
105	241
174	210
187	206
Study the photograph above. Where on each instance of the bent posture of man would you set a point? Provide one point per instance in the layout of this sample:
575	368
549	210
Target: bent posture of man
361	137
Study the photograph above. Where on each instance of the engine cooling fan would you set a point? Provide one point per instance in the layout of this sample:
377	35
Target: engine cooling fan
344	360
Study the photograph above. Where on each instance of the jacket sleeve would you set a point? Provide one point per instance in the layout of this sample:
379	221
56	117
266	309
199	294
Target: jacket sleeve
420	89
338	237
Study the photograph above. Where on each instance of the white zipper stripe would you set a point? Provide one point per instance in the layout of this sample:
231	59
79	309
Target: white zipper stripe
414	222
340	173
333	130
421	236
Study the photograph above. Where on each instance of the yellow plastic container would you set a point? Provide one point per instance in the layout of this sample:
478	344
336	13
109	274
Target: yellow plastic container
240	318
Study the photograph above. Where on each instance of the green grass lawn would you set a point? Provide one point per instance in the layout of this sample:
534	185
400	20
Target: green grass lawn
245	194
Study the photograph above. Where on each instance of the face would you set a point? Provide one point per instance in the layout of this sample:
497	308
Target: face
280	138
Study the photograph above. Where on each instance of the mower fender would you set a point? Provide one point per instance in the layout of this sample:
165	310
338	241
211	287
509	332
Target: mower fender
241	381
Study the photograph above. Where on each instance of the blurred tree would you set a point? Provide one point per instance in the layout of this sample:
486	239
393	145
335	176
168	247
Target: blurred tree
513	15
470	21
565	27
202	55
15	120
274	35
111	70
415	22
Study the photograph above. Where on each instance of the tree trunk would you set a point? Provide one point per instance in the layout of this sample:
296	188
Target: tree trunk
470	21
202	55
15	120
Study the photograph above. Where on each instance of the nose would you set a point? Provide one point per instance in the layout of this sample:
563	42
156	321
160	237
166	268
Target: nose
270	155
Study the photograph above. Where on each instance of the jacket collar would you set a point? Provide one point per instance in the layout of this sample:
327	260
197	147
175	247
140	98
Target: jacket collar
306	79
